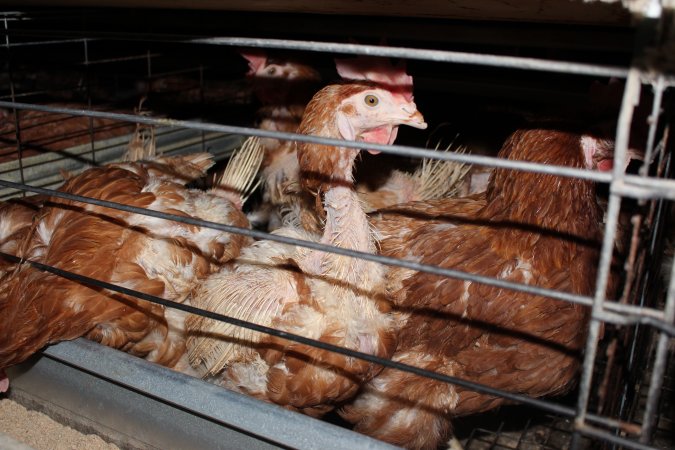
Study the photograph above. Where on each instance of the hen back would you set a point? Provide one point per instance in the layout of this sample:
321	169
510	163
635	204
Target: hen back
529	228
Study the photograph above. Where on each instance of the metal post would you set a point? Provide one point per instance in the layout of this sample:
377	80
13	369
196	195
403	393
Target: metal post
87	77
17	120
630	99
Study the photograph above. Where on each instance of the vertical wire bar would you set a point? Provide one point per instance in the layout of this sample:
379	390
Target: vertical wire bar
653	119
523	434
630	99
657	206
649	418
17	120
469	440
88	87
201	102
663	167
657	211
497	435
149	64
656	382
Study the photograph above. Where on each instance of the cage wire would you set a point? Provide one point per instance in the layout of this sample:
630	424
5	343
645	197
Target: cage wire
66	121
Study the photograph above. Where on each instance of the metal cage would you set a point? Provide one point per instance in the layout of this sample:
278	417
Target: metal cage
78	74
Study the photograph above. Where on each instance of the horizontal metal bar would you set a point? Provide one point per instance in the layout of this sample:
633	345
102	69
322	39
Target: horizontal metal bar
638	312
623	314
50	42
643	188
44	91
121	59
13	15
635	318
509	62
156	75
392	149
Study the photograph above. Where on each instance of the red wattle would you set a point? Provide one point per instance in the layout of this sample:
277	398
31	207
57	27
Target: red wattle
4	381
606	165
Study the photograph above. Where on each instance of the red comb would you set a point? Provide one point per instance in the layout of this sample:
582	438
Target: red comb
256	59
379	70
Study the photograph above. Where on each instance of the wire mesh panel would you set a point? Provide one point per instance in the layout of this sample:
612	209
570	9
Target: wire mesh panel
80	85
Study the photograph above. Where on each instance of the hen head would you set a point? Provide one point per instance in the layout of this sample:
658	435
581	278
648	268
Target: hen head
361	112
374	115
281	81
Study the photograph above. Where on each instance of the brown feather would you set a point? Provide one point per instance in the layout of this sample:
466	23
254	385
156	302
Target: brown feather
528	228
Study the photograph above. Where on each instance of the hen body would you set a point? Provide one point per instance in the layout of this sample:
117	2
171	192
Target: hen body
154	256
527	228
323	296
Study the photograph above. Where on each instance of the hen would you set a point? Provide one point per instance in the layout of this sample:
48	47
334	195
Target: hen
282	86
151	255
528	228
320	295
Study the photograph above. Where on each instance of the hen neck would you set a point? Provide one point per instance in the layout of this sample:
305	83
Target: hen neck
346	227
346	224
326	171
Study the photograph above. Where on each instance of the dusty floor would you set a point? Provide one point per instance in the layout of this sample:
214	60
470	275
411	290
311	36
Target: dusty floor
42	433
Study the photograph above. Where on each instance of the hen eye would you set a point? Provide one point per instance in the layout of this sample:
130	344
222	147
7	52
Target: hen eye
272	70
371	100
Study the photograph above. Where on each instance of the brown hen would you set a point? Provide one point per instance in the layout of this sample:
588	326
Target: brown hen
154	256
283	86
529	228
324	296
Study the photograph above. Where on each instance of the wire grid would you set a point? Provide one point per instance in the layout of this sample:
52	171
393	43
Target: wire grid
522	433
582	424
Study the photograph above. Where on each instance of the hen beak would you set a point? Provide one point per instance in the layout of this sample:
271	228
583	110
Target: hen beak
414	117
